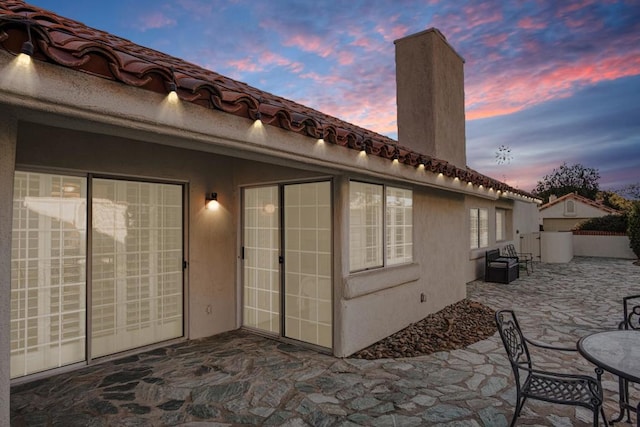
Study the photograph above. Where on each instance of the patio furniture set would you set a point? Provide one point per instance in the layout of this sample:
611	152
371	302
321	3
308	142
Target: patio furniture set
615	351
503	266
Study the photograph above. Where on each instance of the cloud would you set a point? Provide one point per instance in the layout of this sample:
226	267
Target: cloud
597	127
155	20
310	43
529	23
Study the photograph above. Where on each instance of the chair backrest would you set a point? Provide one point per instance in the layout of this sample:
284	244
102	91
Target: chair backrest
492	255
631	306
514	342
510	250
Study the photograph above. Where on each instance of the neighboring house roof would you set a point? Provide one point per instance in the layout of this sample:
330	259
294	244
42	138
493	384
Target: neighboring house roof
581	199
71	44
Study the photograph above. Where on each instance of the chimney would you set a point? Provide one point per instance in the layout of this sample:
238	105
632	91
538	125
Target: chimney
430	97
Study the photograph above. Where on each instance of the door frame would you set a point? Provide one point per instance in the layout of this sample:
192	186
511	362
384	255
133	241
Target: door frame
282	280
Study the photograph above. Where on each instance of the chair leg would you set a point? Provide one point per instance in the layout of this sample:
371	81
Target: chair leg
604	417
519	405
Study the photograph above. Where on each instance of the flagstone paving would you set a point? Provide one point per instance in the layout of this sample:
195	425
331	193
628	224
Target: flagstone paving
240	379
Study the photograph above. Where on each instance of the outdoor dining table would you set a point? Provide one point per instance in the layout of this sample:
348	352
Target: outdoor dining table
617	352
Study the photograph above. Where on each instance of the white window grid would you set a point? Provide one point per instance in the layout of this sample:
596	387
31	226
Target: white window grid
501	224
47	272
261	278
137	295
376	211
479	228
399	218
308	298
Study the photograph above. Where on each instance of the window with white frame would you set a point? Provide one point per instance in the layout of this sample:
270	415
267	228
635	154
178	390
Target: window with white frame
501	225
367	226
479	227
399	212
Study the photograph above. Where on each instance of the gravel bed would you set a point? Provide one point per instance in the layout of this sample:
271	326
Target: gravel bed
455	326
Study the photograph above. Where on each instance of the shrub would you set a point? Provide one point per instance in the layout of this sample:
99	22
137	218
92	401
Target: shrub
633	231
612	223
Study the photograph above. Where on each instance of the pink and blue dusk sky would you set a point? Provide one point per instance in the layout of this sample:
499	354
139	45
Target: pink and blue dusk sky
553	81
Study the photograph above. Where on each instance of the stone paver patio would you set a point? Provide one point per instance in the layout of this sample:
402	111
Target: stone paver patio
241	379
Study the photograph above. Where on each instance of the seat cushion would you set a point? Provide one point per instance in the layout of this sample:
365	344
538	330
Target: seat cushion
509	261
498	265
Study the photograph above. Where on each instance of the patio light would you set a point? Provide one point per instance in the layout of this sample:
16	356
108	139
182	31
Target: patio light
211	201
172	87
27	46
366	149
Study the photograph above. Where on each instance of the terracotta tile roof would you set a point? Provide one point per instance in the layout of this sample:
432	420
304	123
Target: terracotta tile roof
71	44
580	199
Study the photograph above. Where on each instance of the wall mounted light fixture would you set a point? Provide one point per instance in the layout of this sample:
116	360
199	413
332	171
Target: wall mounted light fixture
366	147
211	201
27	46
172	87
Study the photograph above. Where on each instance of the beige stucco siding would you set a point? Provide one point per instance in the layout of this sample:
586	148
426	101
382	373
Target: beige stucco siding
395	297
558	217
8	138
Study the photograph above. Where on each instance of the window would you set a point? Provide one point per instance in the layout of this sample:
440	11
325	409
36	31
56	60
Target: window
569	208
399	226
501	225
479	228
367	226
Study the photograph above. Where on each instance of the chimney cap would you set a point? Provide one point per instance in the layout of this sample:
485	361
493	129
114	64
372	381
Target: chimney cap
430	30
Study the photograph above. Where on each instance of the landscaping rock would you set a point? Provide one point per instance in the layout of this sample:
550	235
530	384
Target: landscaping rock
456	326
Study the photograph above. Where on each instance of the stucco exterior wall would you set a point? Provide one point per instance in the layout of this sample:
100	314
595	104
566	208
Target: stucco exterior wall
430	91
556	246
558	218
602	246
376	303
560	224
8	138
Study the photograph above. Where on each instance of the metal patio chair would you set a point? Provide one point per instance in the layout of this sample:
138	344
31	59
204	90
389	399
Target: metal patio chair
631	320
553	387
631	309
525	259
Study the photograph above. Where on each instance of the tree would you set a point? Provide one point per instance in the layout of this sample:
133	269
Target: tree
614	200
630	191
634	228
569	179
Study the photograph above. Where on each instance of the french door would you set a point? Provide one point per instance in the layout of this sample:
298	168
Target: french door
287	269
77	295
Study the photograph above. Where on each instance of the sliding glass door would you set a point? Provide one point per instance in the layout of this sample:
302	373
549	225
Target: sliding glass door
261	251
307	267
48	278
136	264
134	293
287	287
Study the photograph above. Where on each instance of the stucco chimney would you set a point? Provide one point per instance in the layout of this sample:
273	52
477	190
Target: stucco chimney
430	97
